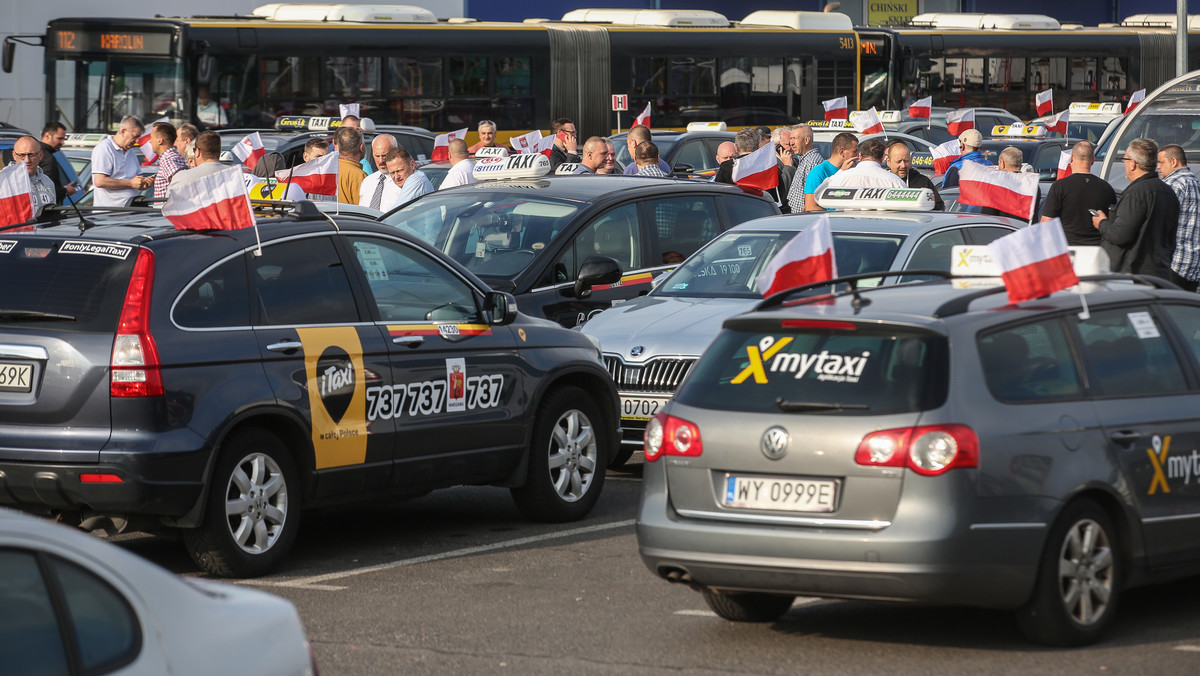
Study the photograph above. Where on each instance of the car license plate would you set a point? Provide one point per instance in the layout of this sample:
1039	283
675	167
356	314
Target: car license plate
789	495
16	377
641	408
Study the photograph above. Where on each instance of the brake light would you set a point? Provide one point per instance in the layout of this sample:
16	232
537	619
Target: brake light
668	435
100	479
927	450
135	366
823	324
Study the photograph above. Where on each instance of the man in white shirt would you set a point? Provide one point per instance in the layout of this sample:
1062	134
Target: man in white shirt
209	112
461	166
869	172
404	172
116	166
378	189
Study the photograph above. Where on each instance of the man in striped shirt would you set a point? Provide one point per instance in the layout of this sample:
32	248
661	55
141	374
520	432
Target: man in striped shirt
170	162
1185	262
806	158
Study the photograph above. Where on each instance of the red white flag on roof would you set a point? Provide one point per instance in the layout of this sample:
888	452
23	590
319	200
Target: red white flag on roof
1035	261
868	122
1009	191
1136	98
316	177
144	142
921	109
250	150
1059	122
807	259
945	154
441	144
759	169
836	109
644	117
958	121
15	205
217	201
345	109
1045	102
525	142
1064	164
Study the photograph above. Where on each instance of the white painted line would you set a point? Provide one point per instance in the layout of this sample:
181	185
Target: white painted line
314	582
696	613
1188	648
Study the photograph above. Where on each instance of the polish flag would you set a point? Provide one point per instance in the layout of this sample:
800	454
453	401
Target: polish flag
441	144
1064	165
868	122
836	109
1035	261
317	177
544	145
759	169
644	118
1134	99
345	109
525	142
958	121
1045	102
921	108
1059	122
945	154
807	259
1009	191
144	142
15	205
217	201
250	150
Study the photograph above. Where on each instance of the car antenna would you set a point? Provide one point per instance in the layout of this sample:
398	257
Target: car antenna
84	223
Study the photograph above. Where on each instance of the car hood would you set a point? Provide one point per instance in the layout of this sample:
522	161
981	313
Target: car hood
675	325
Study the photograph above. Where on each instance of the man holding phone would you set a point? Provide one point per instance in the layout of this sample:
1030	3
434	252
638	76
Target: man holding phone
1076	198
54	134
566	141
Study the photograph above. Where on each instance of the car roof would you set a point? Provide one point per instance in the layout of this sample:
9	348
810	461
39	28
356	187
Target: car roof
882	222
682	135
592	188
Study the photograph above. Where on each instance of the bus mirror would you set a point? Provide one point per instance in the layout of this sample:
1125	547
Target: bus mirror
10	49
204	69
911	72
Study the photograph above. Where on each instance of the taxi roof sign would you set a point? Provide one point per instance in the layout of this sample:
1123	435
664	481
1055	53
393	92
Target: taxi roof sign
890	116
525	165
83	140
828	124
976	261
492	151
707	126
1109	108
307	123
879	199
1026	131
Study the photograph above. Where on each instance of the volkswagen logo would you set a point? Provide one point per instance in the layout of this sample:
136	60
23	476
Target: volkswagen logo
775	442
636	351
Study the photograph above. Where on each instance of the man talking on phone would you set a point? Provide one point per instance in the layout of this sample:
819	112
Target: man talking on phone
566	142
1071	198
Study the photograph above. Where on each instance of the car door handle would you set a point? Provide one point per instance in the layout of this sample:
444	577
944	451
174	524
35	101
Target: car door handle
1125	436
409	341
285	346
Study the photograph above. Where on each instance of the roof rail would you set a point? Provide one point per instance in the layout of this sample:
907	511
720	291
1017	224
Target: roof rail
961	304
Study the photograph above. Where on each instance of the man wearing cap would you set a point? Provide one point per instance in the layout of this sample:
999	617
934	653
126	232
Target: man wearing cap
970	141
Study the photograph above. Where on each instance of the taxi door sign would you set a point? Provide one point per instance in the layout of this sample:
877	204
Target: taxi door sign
333	370
620	102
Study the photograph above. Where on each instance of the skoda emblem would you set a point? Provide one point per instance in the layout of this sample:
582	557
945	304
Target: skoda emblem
775	443
636	351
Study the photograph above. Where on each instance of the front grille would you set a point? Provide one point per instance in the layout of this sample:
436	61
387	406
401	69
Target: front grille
661	374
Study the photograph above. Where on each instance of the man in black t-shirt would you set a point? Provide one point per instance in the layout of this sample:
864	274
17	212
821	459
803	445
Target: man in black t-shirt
1071	197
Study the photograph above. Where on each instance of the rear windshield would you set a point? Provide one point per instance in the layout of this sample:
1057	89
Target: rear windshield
864	371
72	285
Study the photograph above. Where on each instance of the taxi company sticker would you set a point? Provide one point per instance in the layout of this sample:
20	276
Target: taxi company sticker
7	245
521	333
745	250
456	374
828	367
371	259
1143	323
457	392
443	330
110	250
1186	467
334	377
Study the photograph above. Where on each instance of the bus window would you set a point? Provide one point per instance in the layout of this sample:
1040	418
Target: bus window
352	78
1048	73
294	82
1112	75
513	76
408	76
468	76
113	88
1006	75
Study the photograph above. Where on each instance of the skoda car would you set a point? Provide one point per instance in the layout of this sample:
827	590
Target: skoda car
218	383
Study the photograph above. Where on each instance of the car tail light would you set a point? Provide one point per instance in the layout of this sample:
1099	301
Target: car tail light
668	435
135	365
821	324
100	479
926	450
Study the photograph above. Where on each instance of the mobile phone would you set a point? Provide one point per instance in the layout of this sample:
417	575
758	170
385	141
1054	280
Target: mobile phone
1093	212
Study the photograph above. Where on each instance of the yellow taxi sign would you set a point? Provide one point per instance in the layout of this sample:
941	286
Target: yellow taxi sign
1113	108
707	126
1026	131
828	124
306	123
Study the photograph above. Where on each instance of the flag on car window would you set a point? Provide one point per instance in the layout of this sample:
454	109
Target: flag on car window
759	169
143	142
1059	122
217	201
250	150
945	154
1008	191
15	205
1064	164
868	122
1034	261
525	142
316	177
958	121
345	109
441	144
1134	99
807	259
921	109
644	117
1045	102
836	109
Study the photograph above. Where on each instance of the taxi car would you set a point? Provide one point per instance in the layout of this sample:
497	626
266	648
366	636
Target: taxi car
209	384
651	343
1038	149
1085	121
689	153
567	246
936	443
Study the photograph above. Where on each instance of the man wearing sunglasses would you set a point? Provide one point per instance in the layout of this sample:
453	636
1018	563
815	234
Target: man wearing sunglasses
1140	236
28	150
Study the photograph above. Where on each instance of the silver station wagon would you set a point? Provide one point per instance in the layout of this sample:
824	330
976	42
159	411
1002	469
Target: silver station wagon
932	442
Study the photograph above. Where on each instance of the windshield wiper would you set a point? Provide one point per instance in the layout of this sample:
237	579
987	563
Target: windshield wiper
801	406
30	314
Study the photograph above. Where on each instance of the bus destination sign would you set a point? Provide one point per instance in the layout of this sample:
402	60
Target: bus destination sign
111	41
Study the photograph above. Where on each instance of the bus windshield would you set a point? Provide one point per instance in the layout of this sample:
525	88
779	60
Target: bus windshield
93	94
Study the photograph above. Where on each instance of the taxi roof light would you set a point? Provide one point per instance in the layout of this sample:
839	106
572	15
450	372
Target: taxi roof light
525	165
879	199
1107	108
1017	130
307	123
976	261
707	126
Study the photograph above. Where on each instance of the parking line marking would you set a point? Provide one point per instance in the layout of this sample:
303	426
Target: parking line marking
1188	648
314	582
696	613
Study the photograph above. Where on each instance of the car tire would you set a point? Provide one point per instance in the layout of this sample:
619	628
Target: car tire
253	510
566	459
1078	580
748	606
622	456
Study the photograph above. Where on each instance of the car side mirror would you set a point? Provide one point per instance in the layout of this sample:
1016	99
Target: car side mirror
10	49
501	307
596	270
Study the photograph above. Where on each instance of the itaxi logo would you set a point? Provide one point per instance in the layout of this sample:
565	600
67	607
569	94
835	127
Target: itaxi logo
335	381
1184	467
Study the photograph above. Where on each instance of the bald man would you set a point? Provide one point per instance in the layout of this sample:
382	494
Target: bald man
1071	197
28	151
378	188
592	159
461	167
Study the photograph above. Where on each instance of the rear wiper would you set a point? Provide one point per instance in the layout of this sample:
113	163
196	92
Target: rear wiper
30	314
801	406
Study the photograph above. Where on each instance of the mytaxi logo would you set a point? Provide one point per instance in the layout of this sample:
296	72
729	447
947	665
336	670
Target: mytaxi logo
1158	458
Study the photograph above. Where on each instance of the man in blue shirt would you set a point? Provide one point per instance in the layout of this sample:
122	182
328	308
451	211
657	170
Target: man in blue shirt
971	141
843	154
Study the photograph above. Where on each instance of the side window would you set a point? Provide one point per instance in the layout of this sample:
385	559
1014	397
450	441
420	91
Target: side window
742	208
218	299
303	282
105	626
986	234
695	154
682	225
408	285
614	234
1128	354
1187	318
933	253
28	625
1031	362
